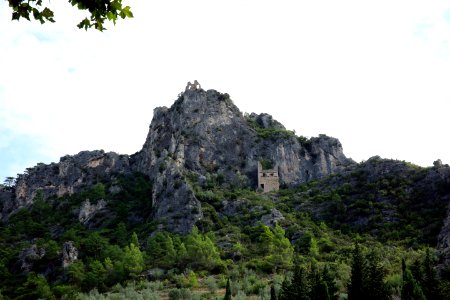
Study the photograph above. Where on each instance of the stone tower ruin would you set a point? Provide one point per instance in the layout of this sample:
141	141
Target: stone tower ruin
268	179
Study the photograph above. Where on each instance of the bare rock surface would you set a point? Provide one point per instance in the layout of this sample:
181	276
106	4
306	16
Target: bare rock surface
69	254
202	133
29	256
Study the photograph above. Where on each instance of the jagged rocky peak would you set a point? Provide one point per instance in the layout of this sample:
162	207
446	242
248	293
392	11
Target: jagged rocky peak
265	121
202	134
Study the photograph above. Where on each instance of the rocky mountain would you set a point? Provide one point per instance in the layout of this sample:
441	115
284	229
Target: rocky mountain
193	202
203	134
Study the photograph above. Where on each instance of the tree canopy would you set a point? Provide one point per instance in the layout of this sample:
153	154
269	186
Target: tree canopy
99	10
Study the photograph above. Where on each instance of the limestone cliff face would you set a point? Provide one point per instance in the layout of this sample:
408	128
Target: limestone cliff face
202	133
72	174
205	132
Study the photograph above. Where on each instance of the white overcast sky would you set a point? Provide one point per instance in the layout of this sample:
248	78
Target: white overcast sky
375	74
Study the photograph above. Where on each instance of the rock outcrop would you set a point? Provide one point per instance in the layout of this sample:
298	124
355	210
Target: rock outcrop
88	211
69	254
205	133
272	218
29	256
202	134
71	175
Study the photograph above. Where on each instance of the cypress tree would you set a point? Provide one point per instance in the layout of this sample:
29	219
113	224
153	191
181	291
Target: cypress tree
286	292
299	285
228	291
411	289
328	278
319	289
273	294
356	286
374	285
429	283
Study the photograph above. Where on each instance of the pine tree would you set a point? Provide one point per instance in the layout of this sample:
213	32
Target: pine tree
133	260
228	291
134	239
356	286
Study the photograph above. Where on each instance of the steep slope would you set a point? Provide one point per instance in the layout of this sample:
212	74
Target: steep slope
71	175
383	197
204	134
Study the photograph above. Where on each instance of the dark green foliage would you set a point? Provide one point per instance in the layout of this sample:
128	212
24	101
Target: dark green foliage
99	10
309	283
356	286
272	133
375	287
161	251
319	287
273	293
330	281
320	220
367	276
35	287
300	286
286	291
266	164
120	235
411	289
9	182
94	245
429	282
227	291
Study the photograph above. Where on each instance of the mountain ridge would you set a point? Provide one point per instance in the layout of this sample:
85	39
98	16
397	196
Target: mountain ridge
191	135
189	202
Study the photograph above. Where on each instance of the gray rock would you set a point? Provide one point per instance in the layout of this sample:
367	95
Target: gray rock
273	218
266	121
71	175
88	211
437	163
205	133
69	254
6	201
202	133
29	256
232	208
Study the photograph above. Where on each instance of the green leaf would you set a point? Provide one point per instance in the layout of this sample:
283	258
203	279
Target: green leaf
47	13
110	15
15	16
15	3
36	14
116	5
127	12
84	24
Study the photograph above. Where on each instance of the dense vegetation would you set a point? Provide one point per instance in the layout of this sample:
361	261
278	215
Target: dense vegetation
344	236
